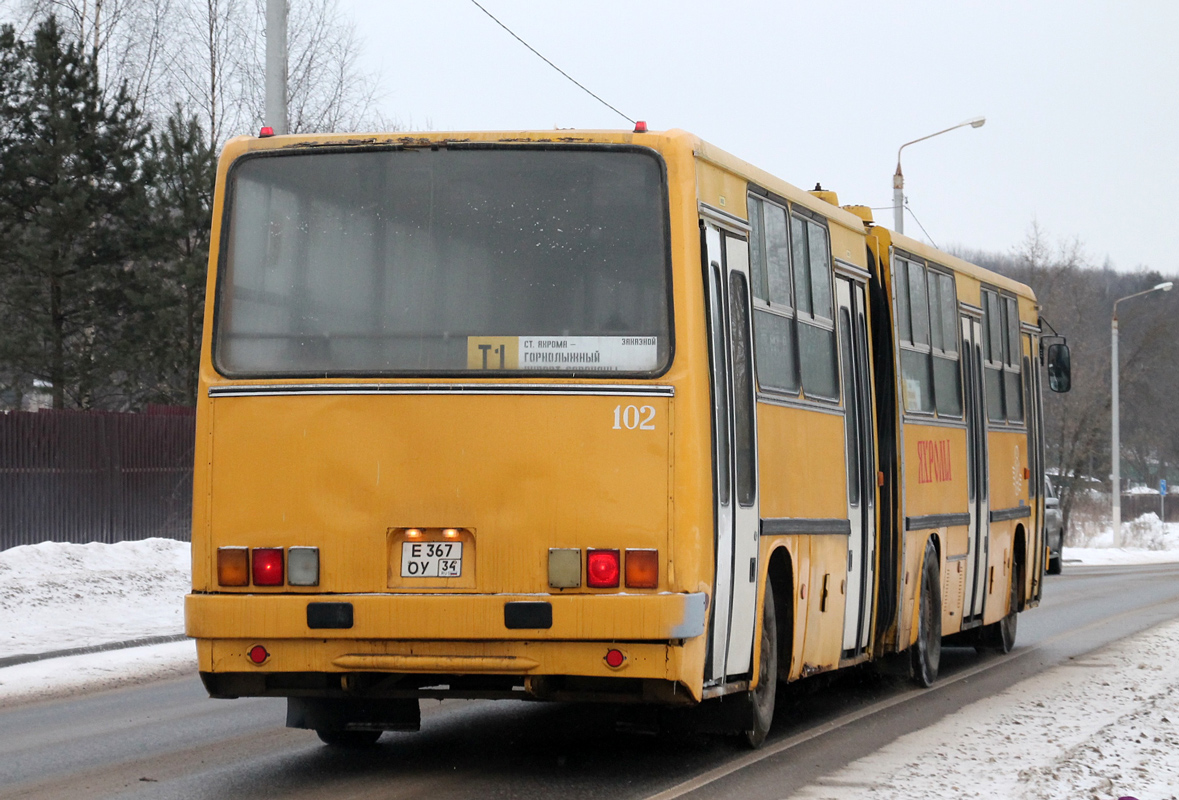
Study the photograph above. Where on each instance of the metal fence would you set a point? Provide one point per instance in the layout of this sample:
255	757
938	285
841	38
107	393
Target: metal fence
80	476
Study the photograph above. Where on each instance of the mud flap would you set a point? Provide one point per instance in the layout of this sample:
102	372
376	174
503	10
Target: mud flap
354	714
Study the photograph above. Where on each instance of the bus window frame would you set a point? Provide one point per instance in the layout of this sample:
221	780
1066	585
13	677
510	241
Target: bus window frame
223	241
931	351
791	311
1007	363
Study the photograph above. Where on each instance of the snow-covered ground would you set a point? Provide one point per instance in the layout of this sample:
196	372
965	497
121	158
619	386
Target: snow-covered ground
57	596
1101	726
1104	726
65	596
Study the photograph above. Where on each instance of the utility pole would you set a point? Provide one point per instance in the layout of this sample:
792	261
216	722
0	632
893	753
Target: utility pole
276	66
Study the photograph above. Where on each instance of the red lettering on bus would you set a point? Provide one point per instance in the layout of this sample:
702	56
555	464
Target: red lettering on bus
933	461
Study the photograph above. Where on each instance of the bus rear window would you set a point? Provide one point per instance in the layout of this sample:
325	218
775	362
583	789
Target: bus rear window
447	261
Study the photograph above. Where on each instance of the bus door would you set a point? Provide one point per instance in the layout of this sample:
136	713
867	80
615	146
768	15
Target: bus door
976	469
861	465
734	602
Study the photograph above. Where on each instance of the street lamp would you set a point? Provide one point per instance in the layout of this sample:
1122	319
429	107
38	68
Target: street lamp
898	179
1116	448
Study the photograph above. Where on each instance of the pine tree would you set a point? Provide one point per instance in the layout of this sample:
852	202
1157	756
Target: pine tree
71	192
179	173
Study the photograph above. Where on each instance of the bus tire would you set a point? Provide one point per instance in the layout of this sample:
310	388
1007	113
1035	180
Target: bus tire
926	653
1054	566
1000	636
336	737
761	711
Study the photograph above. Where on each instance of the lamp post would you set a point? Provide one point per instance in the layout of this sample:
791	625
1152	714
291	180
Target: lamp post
1115	451
898	179
276	66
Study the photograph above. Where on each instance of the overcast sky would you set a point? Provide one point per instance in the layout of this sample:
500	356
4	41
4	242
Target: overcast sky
1081	99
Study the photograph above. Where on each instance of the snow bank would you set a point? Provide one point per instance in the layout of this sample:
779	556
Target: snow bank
1102	726
1146	540
62	677
57	596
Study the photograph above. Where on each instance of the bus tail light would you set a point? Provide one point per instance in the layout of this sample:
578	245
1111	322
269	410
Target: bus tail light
564	568
233	566
267	566
602	569
642	569
303	566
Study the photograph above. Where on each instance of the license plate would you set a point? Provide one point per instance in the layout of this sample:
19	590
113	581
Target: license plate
431	559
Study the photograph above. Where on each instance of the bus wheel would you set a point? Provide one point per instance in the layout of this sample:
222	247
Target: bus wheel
762	698
1000	636
351	739
926	652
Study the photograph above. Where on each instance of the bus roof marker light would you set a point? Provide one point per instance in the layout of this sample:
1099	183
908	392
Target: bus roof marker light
266	132
640	127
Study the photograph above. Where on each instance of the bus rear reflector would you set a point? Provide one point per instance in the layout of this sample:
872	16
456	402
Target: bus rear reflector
303	566
267	566
602	569
258	654
642	569
233	566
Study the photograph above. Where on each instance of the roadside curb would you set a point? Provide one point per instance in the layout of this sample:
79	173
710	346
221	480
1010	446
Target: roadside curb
12	661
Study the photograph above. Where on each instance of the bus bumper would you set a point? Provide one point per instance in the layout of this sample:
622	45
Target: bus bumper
659	636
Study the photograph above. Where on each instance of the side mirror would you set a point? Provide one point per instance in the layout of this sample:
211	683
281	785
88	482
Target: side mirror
1059	368
1051	502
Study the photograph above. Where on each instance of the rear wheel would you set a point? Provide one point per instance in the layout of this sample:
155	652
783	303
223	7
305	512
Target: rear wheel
1054	566
351	739
926	653
762	698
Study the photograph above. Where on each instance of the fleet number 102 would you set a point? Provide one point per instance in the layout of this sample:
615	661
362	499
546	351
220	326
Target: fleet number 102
634	418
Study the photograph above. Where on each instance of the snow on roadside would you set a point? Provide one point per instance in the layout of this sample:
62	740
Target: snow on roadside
1107	556
1102	726
57	596
92	672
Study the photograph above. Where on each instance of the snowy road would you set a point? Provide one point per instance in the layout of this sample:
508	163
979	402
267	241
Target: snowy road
165	740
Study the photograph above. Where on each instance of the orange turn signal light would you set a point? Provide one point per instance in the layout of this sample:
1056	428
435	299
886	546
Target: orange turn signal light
642	569
233	566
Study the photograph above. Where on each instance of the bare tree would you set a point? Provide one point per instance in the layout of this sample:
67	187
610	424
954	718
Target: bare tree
326	89
126	38
209	56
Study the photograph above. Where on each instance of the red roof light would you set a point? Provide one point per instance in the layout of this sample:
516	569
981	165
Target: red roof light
266	131
640	127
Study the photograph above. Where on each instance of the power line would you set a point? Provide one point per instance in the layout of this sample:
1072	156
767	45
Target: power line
551	64
919	225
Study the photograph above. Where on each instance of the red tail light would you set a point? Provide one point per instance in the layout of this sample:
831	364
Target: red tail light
267	563
602	569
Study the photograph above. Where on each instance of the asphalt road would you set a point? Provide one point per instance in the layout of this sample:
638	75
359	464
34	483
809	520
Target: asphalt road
168	740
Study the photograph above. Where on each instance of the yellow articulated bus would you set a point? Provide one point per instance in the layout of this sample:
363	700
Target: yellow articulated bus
591	415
